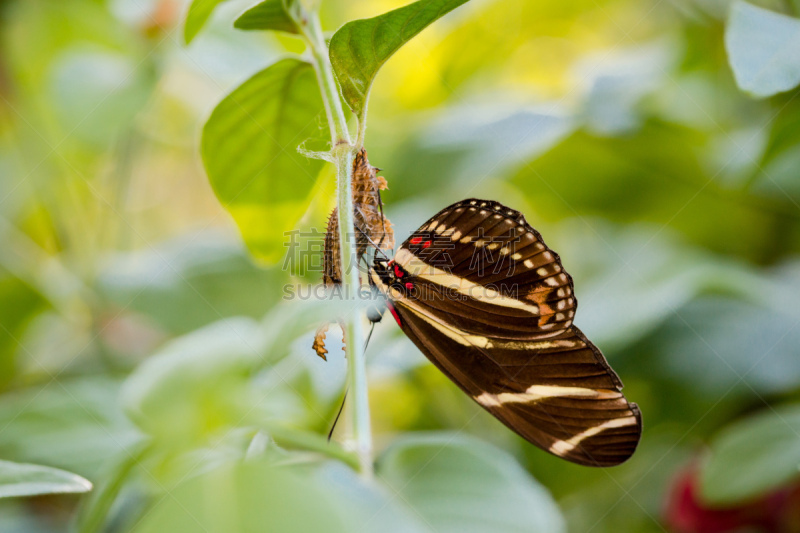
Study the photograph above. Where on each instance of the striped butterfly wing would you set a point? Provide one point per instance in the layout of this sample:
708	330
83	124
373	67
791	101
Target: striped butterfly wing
481	295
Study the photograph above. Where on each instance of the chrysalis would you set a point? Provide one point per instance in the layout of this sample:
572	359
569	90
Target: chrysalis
371	226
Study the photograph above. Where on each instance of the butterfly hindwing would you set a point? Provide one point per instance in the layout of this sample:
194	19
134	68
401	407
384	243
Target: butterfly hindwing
582	417
502	330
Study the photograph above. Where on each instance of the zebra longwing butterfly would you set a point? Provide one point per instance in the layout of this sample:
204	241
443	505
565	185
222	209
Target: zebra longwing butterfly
481	295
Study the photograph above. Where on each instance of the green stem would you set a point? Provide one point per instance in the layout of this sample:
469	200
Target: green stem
343	153
356	359
362	126
94	510
312	31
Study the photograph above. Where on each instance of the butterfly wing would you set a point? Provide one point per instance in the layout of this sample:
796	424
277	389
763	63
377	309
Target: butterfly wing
490	305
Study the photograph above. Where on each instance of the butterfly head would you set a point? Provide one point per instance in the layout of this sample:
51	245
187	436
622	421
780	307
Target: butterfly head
393	276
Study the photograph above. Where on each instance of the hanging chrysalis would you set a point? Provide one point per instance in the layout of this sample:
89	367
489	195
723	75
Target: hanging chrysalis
372	228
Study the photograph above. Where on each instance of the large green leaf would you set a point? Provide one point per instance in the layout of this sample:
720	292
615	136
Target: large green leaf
359	48
477	140
719	344
257	496
753	456
250	153
763	49
268	15
202	383
461	484
197	16
626	295
247	498
76	425
19	479
197	384
370	507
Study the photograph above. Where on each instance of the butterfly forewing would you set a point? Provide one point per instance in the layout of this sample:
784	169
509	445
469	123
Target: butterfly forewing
488	252
490	305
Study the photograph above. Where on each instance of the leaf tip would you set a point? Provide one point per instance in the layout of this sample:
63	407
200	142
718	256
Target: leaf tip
190	30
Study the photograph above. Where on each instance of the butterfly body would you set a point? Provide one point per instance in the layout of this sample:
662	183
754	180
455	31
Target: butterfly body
481	295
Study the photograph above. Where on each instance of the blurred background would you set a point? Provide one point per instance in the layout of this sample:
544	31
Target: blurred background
130	310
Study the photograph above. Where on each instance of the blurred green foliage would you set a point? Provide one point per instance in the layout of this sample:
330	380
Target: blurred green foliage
142	348
763	445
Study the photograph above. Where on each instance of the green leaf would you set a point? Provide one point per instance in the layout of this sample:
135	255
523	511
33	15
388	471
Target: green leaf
259	495
268	15
19	479
202	383
247	497
249	148
370	507
197	384
753	456
715	344
471	141
197	16
617	83
461	484
74	424
94	510
763	49
644	290
361	47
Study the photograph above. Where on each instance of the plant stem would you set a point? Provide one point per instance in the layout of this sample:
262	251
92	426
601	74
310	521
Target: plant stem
356	359
94	509
312	31
362	125
343	153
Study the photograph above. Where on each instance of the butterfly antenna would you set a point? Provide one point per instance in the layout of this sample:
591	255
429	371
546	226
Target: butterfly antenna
377	248
341	408
369	336
344	398
383	219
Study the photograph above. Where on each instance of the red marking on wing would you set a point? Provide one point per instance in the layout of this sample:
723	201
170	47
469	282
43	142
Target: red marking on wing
416	240
426	244
398	272
394	314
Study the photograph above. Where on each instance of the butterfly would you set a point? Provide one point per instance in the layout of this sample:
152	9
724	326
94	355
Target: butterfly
479	293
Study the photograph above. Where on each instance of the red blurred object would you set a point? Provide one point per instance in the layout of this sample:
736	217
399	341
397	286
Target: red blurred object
776	512
165	16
